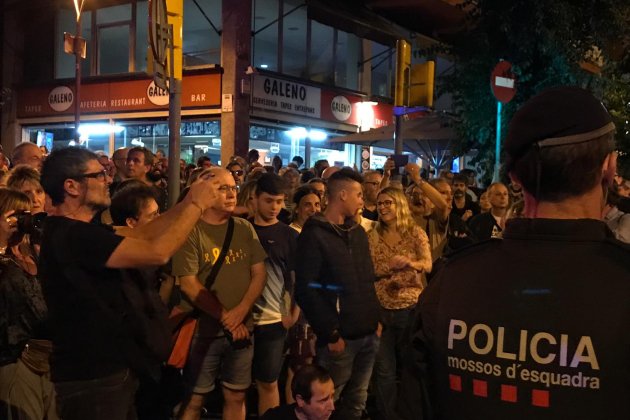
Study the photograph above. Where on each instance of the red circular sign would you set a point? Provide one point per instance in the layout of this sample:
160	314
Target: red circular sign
503	82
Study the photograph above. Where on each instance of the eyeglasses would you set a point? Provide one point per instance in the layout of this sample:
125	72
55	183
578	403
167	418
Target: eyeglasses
225	188
100	175
240	172
374	184
385	204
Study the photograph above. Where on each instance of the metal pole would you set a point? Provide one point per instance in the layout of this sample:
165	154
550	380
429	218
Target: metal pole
398	140
497	151
77	89
307	152
174	124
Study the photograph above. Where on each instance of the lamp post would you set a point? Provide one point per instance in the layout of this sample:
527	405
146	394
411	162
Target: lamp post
78	49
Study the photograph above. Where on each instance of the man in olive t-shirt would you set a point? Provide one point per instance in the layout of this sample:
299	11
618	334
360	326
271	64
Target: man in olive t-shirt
225	304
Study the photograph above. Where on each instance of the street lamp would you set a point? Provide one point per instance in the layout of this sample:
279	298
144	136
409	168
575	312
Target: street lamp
77	46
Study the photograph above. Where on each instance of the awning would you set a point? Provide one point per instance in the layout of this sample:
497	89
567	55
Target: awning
429	137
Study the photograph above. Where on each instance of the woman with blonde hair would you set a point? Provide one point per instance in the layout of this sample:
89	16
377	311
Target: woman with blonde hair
401	256
25	387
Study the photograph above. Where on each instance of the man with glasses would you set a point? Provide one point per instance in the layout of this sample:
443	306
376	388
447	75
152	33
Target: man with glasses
221	345
371	187
97	349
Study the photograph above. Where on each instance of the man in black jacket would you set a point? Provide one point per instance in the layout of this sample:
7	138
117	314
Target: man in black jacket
534	326
335	289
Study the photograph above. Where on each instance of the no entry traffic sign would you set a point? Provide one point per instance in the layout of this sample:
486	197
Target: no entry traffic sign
503	82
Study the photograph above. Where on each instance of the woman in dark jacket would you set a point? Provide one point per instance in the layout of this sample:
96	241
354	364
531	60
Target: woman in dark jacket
26	391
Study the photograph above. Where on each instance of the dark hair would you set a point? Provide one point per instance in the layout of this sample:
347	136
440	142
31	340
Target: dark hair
253	155
129	200
307	176
148	155
271	184
302	192
460	178
318	166
202	159
298	160
564	171
233	164
304	377
345	174
60	165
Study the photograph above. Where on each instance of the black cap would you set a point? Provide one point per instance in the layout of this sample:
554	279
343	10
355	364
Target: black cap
556	117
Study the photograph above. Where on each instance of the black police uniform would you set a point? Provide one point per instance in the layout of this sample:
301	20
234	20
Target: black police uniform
532	326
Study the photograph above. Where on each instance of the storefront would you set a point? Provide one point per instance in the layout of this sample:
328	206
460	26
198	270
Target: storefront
290	117
124	113
287	118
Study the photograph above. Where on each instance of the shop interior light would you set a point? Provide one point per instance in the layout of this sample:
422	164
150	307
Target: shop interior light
102	129
264	66
297	133
137	142
317	135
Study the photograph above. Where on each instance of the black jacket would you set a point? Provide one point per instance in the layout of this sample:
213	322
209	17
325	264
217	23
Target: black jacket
334	264
531	326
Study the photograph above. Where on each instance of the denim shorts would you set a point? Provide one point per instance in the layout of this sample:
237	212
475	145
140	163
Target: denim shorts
269	351
213	357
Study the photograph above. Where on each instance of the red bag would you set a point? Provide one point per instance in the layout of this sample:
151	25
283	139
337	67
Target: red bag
182	337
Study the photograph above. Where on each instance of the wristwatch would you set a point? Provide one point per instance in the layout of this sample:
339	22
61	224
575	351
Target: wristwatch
334	337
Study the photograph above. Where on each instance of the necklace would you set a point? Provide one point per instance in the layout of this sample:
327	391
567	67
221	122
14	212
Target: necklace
339	229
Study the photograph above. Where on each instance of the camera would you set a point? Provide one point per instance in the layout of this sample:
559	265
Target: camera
31	224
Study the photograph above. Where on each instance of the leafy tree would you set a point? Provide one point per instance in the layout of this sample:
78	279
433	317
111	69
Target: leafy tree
545	40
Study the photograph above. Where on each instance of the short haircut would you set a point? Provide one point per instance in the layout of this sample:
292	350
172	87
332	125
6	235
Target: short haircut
19	149
60	165
370	173
344	175
203	159
304	378
298	160
554	174
306	176
460	178
271	184
129	200
317	181
22	174
148	155
233	164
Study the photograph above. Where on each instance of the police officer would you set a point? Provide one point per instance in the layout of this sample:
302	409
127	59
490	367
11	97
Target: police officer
534	325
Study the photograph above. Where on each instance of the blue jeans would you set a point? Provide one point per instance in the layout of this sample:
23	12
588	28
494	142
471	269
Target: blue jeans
389	353
351	371
109	398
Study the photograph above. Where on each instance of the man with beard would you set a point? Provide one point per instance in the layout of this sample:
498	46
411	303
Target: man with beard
98	344
491	224
463	205
371	187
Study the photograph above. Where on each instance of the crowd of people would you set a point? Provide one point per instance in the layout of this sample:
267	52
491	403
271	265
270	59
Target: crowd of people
311	288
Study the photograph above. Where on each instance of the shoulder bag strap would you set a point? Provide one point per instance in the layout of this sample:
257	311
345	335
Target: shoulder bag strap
219	262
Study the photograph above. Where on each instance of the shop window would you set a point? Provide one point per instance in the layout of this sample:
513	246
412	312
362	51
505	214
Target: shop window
113	14
347	56
382	70
113	47
294	40
202	44
265	40
64	63
321	53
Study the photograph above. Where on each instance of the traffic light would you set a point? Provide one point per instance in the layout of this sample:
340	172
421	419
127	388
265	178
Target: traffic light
414	83
422	82
403	73
175	10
